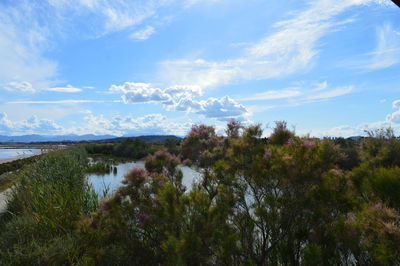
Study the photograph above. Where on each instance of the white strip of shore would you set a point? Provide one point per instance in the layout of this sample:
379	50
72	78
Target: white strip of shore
4	195
22	156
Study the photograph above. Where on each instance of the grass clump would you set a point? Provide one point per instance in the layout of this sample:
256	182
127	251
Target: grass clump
99	168
51	197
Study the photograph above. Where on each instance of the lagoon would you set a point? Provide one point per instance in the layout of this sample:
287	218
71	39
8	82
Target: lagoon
108	183
12	153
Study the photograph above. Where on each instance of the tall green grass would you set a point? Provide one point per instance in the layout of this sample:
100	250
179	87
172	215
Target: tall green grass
51	197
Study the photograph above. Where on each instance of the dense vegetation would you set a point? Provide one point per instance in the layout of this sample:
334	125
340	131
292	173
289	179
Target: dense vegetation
52	196
7	178
281	200
130	148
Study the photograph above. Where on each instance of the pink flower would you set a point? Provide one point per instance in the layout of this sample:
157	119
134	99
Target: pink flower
378	206
143	219
135	176
309	143
267	154
290	142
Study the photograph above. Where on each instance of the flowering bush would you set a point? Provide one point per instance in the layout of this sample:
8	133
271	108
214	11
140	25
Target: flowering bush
287	201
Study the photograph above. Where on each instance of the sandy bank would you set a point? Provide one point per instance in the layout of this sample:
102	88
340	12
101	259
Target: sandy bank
22	156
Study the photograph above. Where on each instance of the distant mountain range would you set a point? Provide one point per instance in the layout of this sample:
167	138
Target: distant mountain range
76	138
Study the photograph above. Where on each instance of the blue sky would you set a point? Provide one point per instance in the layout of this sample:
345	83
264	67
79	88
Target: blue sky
327	67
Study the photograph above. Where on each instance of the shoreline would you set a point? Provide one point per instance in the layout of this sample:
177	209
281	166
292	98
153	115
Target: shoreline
19	157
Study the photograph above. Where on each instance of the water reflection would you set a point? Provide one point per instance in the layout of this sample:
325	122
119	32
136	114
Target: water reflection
110	182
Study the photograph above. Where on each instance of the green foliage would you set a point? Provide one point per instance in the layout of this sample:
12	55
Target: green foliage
172	146
7	180
130	148
286	201
17	164
281	134
381	148
50	199
100	168
202	146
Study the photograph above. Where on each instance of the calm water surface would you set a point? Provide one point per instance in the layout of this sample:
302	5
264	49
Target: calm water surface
112	182
11	153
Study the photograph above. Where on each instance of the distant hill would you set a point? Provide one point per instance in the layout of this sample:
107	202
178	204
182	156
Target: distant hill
148	138
77	138
56	138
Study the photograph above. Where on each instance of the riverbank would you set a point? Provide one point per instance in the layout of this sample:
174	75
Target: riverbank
19	157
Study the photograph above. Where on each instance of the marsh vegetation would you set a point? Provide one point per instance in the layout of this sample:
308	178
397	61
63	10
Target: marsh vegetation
281	200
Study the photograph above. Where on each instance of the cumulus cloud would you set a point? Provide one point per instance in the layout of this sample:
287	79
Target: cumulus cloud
395	116
290	49
133	126
392	120
32	125
223	109
181	98
97	124
145	92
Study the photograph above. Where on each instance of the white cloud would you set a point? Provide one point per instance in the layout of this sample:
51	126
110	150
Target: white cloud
143	34
392	120
29	29
340	91
107	16
63	102
98	125
180	98
321	86
189	3
133	126
396	104
387	52
296	96
274	94
27	87
223	109
6	124
22	40
32	125
394	117
141	93
23	86
68	88
145	92
290	49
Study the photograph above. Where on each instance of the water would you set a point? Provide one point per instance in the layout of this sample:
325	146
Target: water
111	182
12	153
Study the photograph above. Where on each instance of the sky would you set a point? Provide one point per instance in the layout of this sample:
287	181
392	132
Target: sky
138	67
